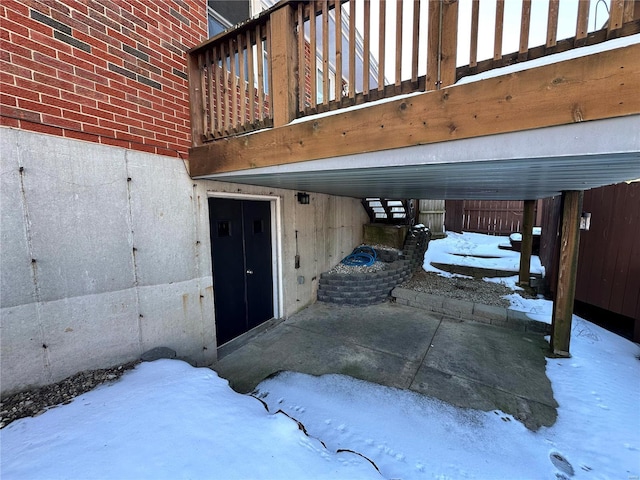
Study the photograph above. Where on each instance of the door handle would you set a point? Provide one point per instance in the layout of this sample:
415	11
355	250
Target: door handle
250	272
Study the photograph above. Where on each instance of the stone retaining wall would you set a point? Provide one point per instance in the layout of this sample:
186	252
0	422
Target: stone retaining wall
375	287
476	312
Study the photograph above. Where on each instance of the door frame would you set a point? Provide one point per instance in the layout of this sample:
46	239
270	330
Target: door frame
276	241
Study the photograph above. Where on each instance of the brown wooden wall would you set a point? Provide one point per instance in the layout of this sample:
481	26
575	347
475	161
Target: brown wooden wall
609	261
608	274
493	217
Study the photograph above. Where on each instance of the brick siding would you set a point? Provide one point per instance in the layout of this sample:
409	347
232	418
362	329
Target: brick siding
107	71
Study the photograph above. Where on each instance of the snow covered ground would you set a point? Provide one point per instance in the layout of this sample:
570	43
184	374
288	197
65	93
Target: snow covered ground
166	419
476	250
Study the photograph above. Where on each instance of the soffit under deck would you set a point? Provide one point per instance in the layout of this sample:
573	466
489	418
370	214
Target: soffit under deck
521	165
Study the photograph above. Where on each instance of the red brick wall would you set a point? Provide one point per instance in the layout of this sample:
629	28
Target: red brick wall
107	71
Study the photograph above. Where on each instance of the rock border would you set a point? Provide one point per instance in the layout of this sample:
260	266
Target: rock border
475	312
375	287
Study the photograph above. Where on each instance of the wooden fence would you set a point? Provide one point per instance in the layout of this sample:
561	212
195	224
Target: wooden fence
431	214
492	217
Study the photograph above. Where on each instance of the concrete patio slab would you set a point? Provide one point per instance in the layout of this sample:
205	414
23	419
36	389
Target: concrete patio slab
289	347
465	363
476	365
510	361
384	327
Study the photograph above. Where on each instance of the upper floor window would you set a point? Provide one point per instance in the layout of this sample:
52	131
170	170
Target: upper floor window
223	14
217	23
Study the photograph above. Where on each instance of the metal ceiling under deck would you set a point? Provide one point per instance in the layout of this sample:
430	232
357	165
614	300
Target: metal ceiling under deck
522	165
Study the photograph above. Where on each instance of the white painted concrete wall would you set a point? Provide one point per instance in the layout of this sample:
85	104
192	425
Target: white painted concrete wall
329	228
96	269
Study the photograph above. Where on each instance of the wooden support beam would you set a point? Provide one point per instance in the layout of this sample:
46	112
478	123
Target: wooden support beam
603	85
567	268
284	66
527	243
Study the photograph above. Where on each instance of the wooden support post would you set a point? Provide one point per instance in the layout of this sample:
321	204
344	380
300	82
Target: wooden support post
284	65
527	243
442	44
196	104
567	268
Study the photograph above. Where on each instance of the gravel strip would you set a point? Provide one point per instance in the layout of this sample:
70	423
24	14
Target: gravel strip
341	268
32	403
468	289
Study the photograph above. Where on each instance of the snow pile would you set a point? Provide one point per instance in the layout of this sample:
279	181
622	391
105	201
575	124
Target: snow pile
475	250
167	419
407	435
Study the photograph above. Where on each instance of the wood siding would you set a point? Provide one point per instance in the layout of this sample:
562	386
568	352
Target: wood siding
609	256
609	262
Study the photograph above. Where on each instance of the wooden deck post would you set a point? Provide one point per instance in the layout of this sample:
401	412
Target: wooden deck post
284	65
442	44
527	243
567	268
196	103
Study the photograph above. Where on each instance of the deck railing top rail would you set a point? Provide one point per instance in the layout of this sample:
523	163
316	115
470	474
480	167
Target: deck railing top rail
304	57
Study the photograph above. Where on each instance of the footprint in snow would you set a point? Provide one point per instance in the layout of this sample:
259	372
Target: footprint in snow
561	464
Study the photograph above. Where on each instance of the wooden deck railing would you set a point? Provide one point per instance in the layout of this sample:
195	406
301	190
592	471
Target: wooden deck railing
306	57
229	82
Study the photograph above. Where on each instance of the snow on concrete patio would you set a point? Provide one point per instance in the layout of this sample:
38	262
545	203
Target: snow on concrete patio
166	419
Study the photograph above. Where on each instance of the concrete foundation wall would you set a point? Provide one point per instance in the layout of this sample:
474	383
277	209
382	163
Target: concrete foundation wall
105	253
